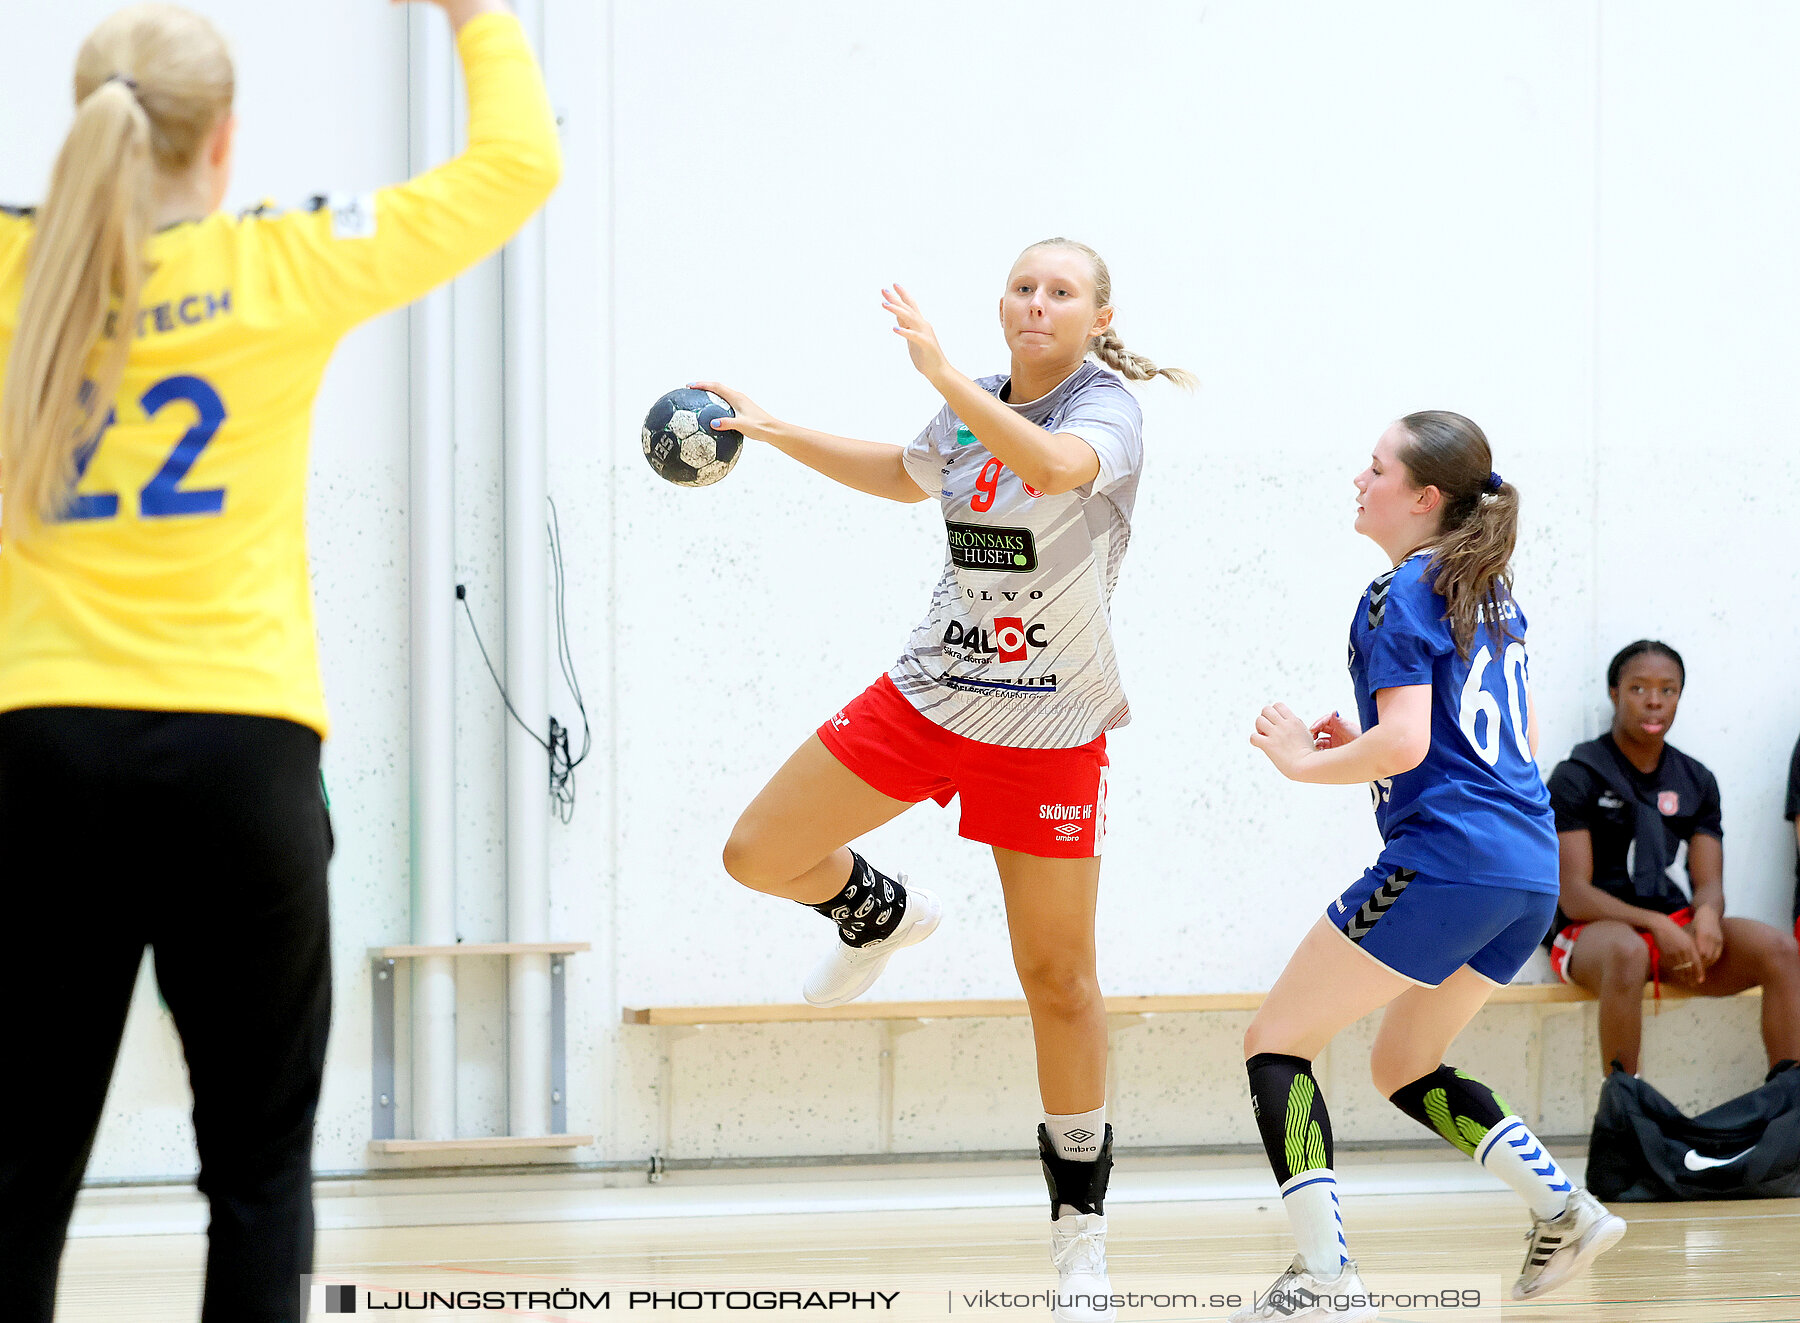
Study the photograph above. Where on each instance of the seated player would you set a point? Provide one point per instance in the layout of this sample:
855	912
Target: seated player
1631	811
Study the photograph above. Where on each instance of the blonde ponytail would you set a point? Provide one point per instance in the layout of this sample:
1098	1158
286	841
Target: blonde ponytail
1107	347
87	261
150	83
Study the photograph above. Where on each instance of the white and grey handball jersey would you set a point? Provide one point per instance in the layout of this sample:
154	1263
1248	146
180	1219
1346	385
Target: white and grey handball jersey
1017	648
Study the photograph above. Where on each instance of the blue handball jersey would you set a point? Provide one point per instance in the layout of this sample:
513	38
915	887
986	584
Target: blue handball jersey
1476	809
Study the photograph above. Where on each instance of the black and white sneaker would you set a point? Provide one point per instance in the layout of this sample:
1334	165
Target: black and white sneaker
1560	1247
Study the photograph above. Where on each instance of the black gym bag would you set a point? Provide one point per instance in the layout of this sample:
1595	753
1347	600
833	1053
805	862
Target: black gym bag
1643	1150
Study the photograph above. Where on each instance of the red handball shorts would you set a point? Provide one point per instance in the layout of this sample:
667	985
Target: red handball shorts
1564	947
1045	802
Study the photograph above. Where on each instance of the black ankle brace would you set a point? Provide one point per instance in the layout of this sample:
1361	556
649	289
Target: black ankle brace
1077	1185
868	908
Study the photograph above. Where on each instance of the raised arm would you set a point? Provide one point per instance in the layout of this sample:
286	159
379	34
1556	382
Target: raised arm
875	467
1050	462
356	258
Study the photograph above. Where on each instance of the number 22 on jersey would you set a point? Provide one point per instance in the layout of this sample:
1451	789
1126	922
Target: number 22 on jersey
1479	714
163	495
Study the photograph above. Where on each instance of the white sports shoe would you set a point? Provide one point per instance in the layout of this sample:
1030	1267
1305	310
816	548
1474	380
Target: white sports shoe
1558	1248
850	971
1299	1297
1078	1249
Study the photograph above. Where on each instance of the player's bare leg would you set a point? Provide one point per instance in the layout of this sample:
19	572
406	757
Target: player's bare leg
1419	1026
1611	961
1758	955
793	840
1050	917
1327	986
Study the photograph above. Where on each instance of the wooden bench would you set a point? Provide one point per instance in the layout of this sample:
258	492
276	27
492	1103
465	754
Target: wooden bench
1518	994
899	1017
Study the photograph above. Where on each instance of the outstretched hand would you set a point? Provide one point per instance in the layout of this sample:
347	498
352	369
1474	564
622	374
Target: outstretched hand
1285	738
750	418
921	340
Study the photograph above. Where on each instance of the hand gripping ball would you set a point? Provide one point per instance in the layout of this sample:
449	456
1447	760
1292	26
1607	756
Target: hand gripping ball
681	444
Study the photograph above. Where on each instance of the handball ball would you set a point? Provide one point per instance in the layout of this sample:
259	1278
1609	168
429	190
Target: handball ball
681	443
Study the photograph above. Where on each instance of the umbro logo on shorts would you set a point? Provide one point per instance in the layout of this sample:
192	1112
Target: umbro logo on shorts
1069	830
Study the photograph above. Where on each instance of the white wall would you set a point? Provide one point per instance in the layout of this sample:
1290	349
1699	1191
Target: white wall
1569	221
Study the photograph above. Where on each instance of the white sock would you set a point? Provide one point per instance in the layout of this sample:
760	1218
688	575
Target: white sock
1311	1201
1520	1159
1077	1138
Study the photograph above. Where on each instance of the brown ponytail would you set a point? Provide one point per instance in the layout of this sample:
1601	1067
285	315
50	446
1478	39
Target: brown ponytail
1107	347
1479	523
150	84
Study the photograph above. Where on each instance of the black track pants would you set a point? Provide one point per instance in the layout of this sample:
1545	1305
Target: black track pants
203	836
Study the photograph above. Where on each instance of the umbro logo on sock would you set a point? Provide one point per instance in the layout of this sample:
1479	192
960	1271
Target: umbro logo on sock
1078	1136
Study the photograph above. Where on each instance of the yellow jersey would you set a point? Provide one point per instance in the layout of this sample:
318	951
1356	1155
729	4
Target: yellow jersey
178	580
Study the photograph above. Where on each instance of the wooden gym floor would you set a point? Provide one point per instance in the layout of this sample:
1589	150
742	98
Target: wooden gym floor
1722	1262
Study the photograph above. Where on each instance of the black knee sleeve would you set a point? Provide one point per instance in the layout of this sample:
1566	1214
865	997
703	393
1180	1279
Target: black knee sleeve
1457	1107
1080	1186
1290	1113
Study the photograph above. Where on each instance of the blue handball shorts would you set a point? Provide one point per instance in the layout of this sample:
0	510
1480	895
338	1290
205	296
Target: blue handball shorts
1425	928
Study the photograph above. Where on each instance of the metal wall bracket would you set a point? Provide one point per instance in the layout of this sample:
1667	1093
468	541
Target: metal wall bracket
559	1093
382	976
384	972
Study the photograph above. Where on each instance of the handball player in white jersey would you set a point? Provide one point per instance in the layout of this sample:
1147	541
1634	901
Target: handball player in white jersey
1003	695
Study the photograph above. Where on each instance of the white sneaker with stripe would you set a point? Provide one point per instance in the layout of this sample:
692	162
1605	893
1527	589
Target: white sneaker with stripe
1299	1297
1560	1247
